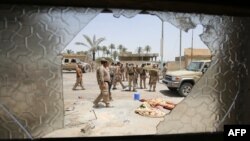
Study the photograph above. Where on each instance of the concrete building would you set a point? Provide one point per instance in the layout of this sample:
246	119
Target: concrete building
198	54
137	58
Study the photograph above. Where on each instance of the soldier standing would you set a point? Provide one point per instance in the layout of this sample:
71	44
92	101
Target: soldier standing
154	77
92	66
136	75
103	79
78	77
118	76
131	73
126	71
143	76
122	72
112	77
164	70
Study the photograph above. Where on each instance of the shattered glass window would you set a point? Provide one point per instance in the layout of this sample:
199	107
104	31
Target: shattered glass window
35	101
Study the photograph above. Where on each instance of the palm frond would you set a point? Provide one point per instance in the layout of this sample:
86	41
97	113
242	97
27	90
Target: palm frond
98	41
80	43
88	40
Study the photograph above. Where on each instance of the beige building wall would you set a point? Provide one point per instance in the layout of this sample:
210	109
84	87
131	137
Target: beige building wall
175	65
198	54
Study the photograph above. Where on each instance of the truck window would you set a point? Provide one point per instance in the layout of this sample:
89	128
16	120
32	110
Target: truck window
73	61
194	66
66	60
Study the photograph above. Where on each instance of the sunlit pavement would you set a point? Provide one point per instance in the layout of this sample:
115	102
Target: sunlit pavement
81	119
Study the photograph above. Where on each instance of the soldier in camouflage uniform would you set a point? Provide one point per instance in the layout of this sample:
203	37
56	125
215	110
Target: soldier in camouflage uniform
122	68
154	77
112	78
164	70
118	76
126	71
131	75
143	76
136	75
78	77
103	79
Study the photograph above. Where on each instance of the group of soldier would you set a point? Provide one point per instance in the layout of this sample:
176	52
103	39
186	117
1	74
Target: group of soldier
109	75
132	73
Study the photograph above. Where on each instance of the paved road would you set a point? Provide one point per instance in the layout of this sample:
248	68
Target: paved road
116	121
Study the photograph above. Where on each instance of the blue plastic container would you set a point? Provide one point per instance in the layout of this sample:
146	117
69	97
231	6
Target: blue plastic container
136	96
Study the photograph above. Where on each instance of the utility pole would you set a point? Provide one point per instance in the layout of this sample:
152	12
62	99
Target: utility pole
180	48
162	37
192	45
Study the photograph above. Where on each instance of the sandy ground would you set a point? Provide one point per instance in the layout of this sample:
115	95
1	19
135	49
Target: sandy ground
81	119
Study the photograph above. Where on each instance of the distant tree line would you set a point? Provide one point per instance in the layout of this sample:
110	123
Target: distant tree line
111	51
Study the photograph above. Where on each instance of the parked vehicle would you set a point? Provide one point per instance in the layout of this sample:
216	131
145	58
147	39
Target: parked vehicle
148	65
70	64
184	80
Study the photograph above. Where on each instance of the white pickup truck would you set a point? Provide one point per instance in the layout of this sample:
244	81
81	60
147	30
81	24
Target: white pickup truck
184	80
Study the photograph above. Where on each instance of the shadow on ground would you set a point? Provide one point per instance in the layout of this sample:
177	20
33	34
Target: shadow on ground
170	93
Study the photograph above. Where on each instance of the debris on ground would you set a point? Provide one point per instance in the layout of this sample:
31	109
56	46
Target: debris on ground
86	128
146	110
72	108
126	121
160	102
80	97
74	123
154	107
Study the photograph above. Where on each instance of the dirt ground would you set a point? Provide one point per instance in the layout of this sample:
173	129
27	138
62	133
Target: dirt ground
81	119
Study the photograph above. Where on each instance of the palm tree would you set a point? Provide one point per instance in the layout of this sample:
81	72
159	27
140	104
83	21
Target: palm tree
108	52
139	51
69	51
120	47
115	55
147	48
112	46
93	44
104	49
123	50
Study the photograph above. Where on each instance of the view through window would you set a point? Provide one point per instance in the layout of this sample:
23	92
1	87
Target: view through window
129	41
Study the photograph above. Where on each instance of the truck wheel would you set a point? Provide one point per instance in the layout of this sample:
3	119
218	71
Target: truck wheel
83	70
86	69
185	89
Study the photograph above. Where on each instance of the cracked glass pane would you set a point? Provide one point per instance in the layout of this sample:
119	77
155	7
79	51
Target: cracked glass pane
31	38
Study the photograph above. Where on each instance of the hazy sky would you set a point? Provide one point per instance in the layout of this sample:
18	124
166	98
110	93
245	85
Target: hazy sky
141	30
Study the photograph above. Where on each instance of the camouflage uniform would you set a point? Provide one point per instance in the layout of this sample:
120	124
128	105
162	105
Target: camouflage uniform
154	77
136	75
164	71
122	68
143	77
92	66
112	78
131	73
118	77
78	78
101	74
126	71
